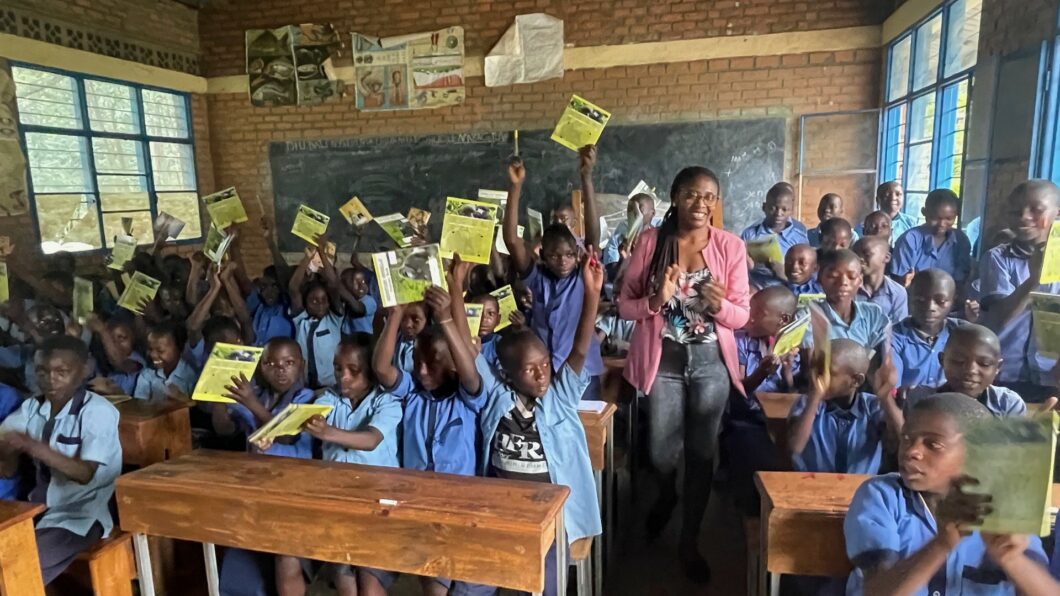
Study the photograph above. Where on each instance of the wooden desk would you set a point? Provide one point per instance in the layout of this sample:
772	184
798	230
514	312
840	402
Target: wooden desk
802	524
153	431
611	381
776	406
19	566
599	434
481	530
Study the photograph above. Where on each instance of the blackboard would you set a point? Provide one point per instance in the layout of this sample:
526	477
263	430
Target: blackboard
391	174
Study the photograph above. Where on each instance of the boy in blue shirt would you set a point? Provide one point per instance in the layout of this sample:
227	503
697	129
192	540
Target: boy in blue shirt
935	244
876	287
170	375
890	198
830	207
908	533
413	322
876	223
317	310
641	203
778	208
268	307
918	341
836	233
10	401
71	436
863	322
360	305
800	270
837	428
772	309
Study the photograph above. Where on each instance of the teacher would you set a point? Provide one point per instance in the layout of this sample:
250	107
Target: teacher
686	289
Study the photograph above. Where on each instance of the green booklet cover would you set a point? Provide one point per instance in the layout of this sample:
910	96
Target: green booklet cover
506	304
140	290
225	207
1046	309
398	228
84	298
467	229
406	273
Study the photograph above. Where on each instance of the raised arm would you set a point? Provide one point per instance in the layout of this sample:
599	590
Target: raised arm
463	356
593	278
283	269
191	291
1010	553
239	273
591	223
802	427
235	298
337	293
510	229
455	278
76	469
294	286
383	355
198	316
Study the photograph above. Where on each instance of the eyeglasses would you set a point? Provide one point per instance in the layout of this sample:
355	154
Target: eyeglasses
691	196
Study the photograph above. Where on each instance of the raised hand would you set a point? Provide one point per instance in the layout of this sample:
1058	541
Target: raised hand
667	287
241	390
317	427
959	510
593	272
516	172
438	301
586	159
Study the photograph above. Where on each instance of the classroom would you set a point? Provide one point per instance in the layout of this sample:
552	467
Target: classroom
467	297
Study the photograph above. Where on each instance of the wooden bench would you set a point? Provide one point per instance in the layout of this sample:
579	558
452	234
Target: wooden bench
108	565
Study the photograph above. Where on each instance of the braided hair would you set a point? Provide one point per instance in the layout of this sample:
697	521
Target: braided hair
666	241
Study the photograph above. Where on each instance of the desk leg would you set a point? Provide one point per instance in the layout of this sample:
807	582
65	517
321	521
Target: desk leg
19	561
774	584
209	553
561	555
609	503
598	542
143	565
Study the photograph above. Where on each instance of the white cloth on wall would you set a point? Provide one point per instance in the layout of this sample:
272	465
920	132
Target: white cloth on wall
530	50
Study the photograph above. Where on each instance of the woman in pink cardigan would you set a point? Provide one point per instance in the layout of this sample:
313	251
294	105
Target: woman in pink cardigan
686	288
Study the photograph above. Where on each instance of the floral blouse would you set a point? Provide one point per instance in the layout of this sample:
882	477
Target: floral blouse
685	315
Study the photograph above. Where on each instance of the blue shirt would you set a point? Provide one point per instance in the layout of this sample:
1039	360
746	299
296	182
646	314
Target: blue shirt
916	251
610	254
868	327
749	353
887	518
438	433
127	381
378	410
891	297
403	359
247	423
916	358
10	401
555	313
269	321
363	324
1002	270
842	441
1001	401
792	234
152	383
812	286
86	428
813	235
319	340
562	439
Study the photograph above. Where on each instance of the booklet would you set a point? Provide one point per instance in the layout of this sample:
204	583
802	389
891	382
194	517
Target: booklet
398	228
536	224
355	212
315	264
5	288
309	224
141	288
633	226
289	421
84	298
474	318
497	197
418	219
225	361
404	274
805	299
121	251
1046	317
1051	261
506	304
500	245
765	250
168	226
790	337
216	244
821	332
641	188
468	229
225	208
581	124
1012	458
6	246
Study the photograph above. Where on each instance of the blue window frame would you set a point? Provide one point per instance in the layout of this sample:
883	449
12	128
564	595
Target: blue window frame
929	78
105	158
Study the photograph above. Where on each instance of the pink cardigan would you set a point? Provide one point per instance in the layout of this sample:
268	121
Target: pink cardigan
726	257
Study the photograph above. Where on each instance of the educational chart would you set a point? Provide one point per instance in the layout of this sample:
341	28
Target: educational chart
408	72
292	65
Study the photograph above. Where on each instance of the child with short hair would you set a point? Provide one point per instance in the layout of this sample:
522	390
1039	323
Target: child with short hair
641	204
71	436
316	307
170	375
890	198
830	207
935	244
970	362
800	269
907	533
772	309
268	305
877	223
360	305
414	320
876	287
491	317
863	322
836	233
918	341
120	364
778	208
836	427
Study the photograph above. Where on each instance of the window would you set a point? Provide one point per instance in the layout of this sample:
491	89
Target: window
103	155
929	80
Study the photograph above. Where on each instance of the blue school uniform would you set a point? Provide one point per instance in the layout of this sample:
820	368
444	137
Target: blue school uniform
247	424
378	410
915	250
363	324
868	327
842	441
916	357
1001	401
792	234
891	297
1002	270
86	428
152	383
555	313
269	321
195	354
319	340
887	518
10	401
562	440
749	353
127	380
438	433
403	359
812	286
813	236
610	254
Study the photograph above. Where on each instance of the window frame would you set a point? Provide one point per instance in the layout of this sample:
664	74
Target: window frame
937	89
87	134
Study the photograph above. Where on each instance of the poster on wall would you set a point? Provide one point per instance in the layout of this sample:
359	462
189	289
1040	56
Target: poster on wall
408	72
292	65
12	163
